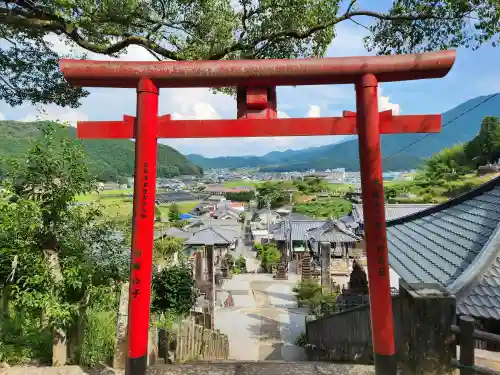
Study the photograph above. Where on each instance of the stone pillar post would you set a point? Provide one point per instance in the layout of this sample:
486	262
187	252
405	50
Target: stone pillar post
325	254
121	343
210	280
198	266
426	345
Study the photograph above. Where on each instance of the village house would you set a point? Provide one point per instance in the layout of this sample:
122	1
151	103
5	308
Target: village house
266	216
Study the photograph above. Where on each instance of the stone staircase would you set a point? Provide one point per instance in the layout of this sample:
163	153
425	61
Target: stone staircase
209	368
261	368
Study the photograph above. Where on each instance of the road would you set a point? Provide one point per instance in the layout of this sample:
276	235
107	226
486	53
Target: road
264	322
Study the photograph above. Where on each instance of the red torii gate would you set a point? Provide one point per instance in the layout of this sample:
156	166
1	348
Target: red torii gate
256	82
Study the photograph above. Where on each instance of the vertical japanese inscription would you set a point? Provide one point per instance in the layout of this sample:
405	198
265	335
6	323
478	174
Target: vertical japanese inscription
145	187
379	219
137	254
136	267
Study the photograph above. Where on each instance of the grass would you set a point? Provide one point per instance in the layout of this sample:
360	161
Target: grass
104	194
238	183
334	208
118	203
441	191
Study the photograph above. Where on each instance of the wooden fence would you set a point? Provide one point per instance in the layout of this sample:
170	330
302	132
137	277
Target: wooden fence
467	337
192	342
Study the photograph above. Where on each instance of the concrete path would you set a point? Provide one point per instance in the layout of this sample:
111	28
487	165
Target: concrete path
265	321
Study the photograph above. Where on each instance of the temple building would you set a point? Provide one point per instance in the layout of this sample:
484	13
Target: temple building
457	245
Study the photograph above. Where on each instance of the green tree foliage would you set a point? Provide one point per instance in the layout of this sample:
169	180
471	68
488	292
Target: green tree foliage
272	194
165	248
485	147
319	302
269	257
174	213
241	263
452	163
108	160
56	257
332	208
173	290
448	165
312	185
245	196
215	30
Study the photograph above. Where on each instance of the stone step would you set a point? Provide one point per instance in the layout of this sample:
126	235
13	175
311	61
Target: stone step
261	368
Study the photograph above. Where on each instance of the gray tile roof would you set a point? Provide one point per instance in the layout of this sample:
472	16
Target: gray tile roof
212	236
174	232
392	211
455	244
299	229
334	232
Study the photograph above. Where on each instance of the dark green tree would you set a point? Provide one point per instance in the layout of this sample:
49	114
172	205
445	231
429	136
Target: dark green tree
59	256
173	213
215	30
447	165
270	194
173	290
485	147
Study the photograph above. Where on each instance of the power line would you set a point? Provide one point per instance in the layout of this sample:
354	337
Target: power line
445	125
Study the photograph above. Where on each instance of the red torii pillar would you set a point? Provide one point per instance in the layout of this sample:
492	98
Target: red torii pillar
256	81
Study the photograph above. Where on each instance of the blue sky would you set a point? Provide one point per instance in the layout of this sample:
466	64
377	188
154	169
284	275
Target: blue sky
474	74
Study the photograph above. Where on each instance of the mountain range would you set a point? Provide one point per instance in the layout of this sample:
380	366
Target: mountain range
460	124
108	159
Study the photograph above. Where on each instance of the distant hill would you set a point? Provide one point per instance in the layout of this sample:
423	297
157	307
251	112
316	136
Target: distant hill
109	159
345	154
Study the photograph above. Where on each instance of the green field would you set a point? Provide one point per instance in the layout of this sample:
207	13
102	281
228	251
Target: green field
237	183
118	203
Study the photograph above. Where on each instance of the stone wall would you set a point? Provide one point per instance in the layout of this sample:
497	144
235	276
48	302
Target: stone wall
423	314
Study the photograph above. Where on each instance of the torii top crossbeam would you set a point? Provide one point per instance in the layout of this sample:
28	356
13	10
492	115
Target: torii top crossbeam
251	73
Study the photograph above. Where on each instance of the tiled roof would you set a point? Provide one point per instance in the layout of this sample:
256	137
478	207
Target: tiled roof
455	244
392	211
174	232
299	229
334	232
212	236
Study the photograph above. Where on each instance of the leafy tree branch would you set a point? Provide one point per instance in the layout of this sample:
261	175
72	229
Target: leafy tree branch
217	29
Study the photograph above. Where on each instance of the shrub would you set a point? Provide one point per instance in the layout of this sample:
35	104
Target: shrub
241	264
307	289
301	340
99	339
309	293
270	257
22	339
173	290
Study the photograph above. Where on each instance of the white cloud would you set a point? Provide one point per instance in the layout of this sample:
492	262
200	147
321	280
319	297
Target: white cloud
314	111
54	113
2	117
199	111
384	104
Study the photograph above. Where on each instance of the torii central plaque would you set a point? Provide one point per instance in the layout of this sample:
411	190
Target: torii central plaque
256	82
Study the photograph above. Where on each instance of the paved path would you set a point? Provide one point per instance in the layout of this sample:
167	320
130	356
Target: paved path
265	320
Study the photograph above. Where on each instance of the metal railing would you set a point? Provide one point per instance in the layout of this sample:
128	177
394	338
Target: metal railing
467	336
